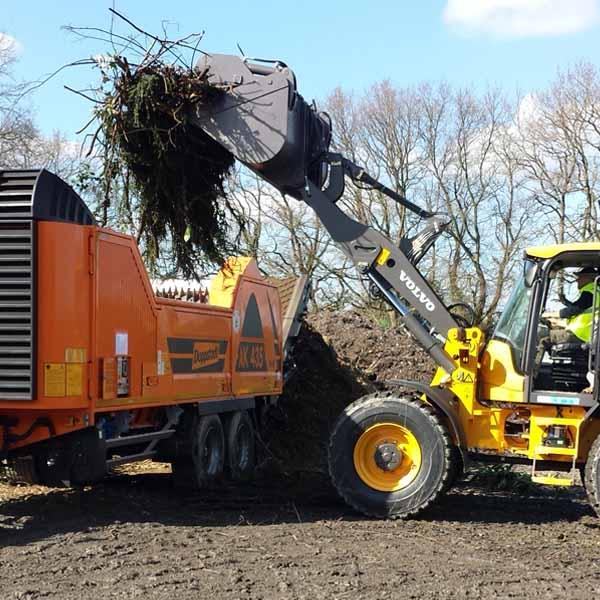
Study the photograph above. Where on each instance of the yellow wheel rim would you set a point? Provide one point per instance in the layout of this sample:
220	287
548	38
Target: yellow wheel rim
387	457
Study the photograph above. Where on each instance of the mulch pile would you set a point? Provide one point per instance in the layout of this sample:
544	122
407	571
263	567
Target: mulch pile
339	356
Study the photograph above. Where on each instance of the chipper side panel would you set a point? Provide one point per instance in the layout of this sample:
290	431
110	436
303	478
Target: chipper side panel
107	359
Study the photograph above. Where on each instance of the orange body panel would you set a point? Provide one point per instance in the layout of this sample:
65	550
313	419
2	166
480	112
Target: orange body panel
95	304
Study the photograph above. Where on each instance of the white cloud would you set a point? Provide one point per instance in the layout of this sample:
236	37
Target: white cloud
528	109
9	44
522	18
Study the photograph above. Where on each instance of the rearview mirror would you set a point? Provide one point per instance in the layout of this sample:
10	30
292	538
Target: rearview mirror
530	271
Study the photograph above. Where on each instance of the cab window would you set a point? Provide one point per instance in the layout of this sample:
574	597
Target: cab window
512	324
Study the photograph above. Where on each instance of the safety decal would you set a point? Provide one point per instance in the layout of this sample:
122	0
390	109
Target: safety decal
109	378
121	343
75	355
276	343
236	320
566	400
55	380
160	364
74	379
463	376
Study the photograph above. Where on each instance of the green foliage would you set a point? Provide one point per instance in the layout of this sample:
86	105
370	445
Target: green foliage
502	477
384	320
170	174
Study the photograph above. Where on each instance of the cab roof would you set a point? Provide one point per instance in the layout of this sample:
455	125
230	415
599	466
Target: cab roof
555	250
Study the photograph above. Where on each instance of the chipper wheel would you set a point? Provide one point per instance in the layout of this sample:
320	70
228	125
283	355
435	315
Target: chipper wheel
390	457
240	446
19	469
591	476
207	459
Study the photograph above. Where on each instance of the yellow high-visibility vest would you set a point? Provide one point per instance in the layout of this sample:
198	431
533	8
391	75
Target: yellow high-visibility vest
581	324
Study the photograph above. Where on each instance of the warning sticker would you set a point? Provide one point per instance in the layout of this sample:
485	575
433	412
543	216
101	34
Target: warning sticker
74	380
75	355
109	377
54	379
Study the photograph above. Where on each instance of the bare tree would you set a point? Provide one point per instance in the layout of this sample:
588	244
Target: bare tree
22	146
447	150
570	109
16	124
482	159
470	158
549	165
286	237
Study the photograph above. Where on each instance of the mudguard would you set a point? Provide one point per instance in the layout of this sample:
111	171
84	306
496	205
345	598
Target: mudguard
442	400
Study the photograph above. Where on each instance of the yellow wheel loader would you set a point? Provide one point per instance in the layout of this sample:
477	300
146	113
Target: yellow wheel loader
516	397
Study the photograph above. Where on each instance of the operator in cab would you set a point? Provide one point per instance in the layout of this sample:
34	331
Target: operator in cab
573	323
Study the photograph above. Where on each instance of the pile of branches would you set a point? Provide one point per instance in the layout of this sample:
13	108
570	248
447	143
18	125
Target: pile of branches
168	175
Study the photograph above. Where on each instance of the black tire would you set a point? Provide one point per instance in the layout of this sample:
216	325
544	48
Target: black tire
591	477
208	450
240	447
19	469
182	473
457	467
52	465
582	477
204	461
434	472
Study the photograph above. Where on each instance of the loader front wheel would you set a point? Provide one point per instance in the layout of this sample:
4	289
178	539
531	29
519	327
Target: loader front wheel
591	476
389	457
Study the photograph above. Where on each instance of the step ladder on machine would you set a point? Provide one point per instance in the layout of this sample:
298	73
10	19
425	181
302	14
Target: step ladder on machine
544	449
550	445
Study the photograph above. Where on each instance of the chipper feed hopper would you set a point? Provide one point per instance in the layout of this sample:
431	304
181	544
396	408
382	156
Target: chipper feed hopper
509	398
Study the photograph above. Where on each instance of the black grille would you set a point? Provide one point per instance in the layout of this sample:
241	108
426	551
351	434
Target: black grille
16	309
16	188
26	197
17	284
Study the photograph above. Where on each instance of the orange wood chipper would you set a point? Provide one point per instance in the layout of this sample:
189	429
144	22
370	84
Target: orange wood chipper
96	370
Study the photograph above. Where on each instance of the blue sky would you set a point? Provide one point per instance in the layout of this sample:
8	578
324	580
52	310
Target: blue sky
516	44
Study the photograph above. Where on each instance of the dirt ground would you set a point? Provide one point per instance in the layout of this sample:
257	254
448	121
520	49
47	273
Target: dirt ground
289	536
136	536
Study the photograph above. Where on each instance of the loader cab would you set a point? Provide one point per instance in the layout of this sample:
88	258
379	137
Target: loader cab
536	346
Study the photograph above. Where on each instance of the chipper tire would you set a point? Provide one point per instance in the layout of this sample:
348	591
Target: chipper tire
390	457
205	464
241	445
591	476
19	470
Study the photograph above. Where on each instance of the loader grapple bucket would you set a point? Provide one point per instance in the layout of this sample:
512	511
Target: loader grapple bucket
264	122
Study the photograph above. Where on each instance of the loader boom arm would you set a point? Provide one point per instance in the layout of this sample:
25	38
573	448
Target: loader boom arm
267	125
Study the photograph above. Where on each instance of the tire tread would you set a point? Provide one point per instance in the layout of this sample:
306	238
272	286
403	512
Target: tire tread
449	472
20	469
591	477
